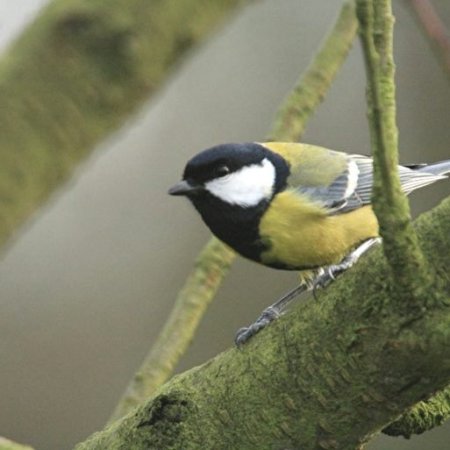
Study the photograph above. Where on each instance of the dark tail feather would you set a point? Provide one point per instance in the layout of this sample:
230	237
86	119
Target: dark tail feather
439	168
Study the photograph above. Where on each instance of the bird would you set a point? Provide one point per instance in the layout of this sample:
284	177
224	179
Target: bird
291	206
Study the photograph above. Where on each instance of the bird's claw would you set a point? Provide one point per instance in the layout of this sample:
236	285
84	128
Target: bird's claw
245	333
324	278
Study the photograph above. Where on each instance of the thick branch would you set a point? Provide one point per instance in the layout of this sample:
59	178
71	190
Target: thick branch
74	76
329	374
215	259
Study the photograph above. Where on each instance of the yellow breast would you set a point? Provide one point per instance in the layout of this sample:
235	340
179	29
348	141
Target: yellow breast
300	234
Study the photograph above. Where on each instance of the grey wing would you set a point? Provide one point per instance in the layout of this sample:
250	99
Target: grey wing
349	190
353	187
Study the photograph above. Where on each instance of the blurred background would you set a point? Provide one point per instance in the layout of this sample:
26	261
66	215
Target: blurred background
87	285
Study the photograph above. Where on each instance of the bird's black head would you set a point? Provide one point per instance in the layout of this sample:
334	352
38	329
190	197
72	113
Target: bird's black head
237	174
231	186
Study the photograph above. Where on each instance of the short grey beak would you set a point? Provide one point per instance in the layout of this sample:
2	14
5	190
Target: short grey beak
184	188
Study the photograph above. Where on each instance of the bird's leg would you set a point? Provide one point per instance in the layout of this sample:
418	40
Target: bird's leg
325	276
269	314
330	273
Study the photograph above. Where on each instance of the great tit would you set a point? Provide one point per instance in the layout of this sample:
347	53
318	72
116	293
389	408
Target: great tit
291	206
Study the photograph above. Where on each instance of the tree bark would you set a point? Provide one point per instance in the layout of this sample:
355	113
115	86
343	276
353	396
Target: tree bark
328	375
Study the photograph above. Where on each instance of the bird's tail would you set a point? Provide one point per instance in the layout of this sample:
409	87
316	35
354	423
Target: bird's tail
440	168
419	175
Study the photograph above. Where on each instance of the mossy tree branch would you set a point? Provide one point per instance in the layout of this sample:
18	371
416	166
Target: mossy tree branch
74	75
215	259
328	375
415	284
400	244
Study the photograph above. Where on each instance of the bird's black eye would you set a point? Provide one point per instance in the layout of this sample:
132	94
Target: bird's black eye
221	171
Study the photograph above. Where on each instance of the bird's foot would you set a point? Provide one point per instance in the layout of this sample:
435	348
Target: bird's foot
269	314
245	333
330	273
322	280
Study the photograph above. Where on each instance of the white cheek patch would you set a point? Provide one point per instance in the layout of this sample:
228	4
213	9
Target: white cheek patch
246	187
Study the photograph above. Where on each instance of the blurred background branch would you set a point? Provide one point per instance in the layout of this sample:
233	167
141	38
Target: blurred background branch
78	72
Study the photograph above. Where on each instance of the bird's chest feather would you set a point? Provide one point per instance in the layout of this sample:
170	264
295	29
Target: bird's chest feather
301	235
290	232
